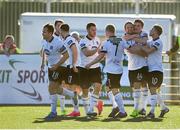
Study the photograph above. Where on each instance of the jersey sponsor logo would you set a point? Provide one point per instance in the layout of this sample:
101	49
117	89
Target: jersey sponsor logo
82	45
33	95
12	63
154	80
70	42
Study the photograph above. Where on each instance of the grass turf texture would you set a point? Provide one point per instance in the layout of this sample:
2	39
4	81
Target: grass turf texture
32	117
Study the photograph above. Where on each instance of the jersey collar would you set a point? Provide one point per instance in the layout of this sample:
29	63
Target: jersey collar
56	34
51	39
88	37
66	37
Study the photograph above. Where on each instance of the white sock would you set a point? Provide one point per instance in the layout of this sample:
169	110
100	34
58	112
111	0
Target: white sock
76	107
85	104
153	102
112	99
93	102
62	102
144	97
136	96
119	101
68	92
161	102
53	102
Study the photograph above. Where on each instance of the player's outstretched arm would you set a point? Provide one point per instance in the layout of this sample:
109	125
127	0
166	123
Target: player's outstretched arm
148	50
65	56
88	52
96	60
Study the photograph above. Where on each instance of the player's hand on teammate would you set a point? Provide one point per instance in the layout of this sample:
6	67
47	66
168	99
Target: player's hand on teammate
88	66
75	69
54	67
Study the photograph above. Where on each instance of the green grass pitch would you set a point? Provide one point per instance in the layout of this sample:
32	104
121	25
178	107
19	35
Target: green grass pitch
32	117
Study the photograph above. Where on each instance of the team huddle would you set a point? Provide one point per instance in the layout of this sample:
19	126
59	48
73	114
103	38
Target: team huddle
74	68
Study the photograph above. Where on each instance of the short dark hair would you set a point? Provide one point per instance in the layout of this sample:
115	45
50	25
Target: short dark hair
58	21
127	24
139	21
158	29
65	27
49	27
110	28
90	25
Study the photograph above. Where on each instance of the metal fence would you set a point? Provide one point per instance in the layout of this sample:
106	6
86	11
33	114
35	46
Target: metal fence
10	11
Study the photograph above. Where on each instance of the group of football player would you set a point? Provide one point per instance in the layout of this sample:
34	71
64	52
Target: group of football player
74	68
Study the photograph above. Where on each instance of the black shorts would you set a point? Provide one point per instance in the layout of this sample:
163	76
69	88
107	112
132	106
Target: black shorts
139	75
89	76
113	80
73	77
58	75
155	79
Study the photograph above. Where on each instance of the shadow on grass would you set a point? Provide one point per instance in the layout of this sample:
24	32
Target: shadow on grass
85	119
110	119
142	119
57	119
60	118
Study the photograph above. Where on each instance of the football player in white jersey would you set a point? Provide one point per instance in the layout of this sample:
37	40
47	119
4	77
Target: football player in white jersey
89	47
113	52
56	53
57	34
73	75
57	25
137	66
155	76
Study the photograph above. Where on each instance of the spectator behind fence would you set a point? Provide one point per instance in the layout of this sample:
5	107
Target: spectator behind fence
8	46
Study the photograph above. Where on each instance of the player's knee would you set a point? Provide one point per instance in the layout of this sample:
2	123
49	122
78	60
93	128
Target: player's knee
137	85
115	91
153	90
53	88
85	93
60	90
144	85
97	88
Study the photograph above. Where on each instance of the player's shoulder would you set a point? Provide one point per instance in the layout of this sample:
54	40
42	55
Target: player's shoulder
57	41
97	39
158	41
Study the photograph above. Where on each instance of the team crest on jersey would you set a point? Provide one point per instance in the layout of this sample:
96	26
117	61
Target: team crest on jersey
51	47
154	80
139	76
